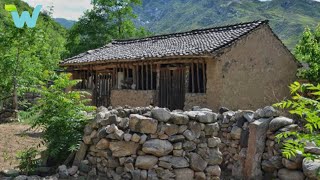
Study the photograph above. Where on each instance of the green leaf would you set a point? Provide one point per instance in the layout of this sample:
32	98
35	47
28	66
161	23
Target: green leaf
10	7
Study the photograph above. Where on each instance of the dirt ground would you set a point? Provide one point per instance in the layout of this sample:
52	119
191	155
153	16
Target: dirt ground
15	137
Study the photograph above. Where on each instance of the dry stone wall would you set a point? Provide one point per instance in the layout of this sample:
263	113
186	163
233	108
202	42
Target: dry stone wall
152	143
155	143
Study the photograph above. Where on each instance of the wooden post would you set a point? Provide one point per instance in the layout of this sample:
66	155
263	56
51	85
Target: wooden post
147	77
204	76
151	77
198	76
187	70
142	78
138	78
158	77
192	76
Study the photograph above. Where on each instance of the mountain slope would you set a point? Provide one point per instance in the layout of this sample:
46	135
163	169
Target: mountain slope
288	18
65	22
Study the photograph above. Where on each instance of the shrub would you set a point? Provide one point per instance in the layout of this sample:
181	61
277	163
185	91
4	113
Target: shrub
305	103
62	115
27	160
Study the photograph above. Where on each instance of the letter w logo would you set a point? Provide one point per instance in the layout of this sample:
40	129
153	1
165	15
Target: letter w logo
25	16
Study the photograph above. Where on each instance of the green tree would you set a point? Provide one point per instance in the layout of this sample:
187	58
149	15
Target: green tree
306	105
308	51
108	20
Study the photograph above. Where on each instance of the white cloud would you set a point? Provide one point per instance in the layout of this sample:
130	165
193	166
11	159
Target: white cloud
68	9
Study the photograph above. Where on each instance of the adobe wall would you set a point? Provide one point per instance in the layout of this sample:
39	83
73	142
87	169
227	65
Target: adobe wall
134	98
254	72
193	99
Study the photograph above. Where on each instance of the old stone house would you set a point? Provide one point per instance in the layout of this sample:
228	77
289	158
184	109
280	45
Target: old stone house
238	66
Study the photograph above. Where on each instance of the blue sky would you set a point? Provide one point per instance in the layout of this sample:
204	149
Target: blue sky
68	9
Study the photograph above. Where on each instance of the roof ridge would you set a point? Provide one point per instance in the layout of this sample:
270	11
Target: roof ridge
185	33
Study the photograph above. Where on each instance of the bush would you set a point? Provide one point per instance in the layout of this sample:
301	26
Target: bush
62	115
28	161
304	103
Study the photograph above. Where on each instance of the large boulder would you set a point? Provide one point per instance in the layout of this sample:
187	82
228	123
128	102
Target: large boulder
266	112
142	124
279	122
122	148
146	162
157	147
286	174
311	168
161	114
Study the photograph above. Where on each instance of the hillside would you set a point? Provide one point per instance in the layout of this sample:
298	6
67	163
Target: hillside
65	22
287	17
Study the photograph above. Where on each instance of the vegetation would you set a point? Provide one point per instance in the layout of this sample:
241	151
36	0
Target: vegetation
28	160
305	103
287	17
108	20
62	114
308	51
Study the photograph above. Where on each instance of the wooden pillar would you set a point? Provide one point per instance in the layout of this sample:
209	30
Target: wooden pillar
158	77
147	77
204	76
198	76
192	76
142	77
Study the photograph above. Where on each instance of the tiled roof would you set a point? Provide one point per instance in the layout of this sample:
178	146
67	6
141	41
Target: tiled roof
196	42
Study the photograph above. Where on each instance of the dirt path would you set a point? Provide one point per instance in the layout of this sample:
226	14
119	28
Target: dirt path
13	139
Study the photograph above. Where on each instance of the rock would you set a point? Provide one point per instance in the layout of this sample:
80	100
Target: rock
279	122
127	137
143	139
311	168
207	117
103	144
179	119
213	171
215	156
256	144
81	153
295	162
171	129
213	142
157	147
135	138
197	163
184	174
141	124
84	166
176	138
285	174
122	148
223	110
200	176
176	162
136	174
73	170
161	114
244	138
212	129
312	150
189	146
189	135
63	172
144	175
102	133
111	128
165	165
236	132
11	173
195	129
165	174
146	162
249	116
266	112
182	128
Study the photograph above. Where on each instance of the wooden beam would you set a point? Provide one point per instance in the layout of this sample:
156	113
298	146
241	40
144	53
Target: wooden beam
158	77
147	77
142	76
138	78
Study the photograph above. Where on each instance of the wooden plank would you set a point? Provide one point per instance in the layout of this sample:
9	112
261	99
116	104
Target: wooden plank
158	77
138	77
198	77
142	76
